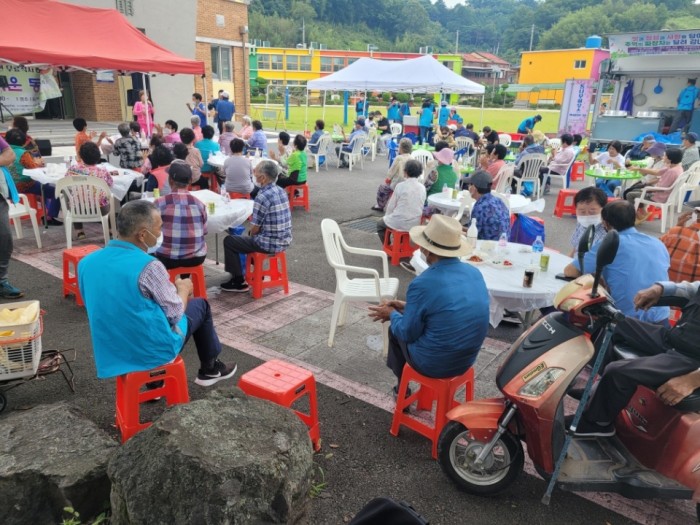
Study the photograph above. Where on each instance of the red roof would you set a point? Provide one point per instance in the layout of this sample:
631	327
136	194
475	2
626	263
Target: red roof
493	58
51	33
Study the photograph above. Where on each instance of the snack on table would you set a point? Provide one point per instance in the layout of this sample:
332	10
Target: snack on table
475	258
507	263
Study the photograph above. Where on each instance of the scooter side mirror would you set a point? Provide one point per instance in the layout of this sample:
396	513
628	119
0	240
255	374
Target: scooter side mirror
584	244
606	255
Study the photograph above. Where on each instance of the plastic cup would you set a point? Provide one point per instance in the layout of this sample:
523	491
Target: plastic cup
156	193
212	208
544	262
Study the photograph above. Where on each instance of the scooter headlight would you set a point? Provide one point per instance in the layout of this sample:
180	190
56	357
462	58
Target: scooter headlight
542	381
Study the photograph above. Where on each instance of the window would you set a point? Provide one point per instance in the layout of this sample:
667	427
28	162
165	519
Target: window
277	62
579	64
221	63
305	63
326	64
352	60
338	63
126	7
263	61
293	63
299	63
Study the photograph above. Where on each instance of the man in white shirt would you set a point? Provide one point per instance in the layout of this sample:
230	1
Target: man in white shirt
405	208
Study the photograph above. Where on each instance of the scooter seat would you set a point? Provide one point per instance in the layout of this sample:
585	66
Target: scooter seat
689	403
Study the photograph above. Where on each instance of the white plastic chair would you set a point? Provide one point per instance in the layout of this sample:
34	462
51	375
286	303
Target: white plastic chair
691	184
371	143
530	171
22	209
80	202
549	176
373	289
504	178
667	208
423	157
395	129
505	139
505	199
466	202
325	149
337	129
355	155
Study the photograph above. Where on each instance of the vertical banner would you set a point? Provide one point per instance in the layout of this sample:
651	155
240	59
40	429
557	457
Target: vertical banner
573	117
19	88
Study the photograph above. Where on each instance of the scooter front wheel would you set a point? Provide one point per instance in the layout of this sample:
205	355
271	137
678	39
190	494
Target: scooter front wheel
458	450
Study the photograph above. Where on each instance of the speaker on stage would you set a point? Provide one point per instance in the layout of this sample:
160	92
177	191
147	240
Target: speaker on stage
44	147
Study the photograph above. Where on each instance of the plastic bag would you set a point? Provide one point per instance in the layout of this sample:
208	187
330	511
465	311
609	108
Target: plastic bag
525	230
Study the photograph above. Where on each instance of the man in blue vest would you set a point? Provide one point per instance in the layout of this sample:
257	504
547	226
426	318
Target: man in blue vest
686	104
138	319
225	109
527	125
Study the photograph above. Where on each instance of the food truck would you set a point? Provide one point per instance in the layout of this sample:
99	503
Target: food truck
648	71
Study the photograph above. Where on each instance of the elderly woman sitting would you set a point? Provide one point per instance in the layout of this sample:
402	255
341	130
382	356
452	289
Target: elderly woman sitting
247	129
196	121
395	174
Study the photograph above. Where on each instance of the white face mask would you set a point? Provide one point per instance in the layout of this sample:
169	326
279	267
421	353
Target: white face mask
167	131
589	220
156	246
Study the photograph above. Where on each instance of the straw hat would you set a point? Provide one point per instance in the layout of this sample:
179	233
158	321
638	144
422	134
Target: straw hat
442	236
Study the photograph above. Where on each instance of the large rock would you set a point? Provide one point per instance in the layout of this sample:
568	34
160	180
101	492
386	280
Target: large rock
226	459
52	457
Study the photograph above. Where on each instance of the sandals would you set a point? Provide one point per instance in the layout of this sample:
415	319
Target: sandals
81	236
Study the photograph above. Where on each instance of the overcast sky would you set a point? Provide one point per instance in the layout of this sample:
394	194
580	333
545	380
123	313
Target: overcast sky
452	3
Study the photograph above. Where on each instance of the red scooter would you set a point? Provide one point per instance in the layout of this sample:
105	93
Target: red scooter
655	453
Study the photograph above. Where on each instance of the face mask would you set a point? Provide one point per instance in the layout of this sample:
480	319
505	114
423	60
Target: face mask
167	131
159	241
588	220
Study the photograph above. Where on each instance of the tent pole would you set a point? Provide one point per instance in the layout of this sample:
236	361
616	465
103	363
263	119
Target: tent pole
364	108
204	89
323	111
306	114
482	111
148	113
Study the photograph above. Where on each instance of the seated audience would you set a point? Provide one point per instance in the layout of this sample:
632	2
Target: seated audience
446	175
444	134
238	170
31	146
639	151
492	161
527	146
667	178
169	132
89	166
207	146
226	137
194	126
283	150
271	230
405	207
490	136
317	134
139	320
296	164
683	245
160	159
194	157
258	140
611	159
358	133
82	136
589	204
128	149
559	160
184	221
394	175
491	213
651	174
428	331
247	129
690	150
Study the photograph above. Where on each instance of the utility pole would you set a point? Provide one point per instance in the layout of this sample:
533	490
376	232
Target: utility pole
303	34
532	35
457	43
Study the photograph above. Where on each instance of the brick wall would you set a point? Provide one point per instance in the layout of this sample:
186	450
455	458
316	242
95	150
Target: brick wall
95	100
235	15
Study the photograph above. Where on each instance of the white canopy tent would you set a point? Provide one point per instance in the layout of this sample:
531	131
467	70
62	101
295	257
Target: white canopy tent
416	75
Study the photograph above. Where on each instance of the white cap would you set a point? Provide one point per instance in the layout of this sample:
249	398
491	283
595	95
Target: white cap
225	94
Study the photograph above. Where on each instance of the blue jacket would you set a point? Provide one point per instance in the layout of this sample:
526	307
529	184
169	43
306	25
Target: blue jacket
446	318
443	116
129	332
225	110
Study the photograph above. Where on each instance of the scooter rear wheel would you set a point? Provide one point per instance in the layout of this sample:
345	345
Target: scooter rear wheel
457	450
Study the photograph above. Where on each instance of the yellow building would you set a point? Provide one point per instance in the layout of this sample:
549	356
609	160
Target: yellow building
283	66
555	67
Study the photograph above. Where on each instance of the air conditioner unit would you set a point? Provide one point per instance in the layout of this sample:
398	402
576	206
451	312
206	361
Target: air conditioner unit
322	46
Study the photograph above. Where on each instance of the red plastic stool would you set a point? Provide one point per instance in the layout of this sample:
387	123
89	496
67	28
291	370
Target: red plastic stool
578	170
655	213
71	258
397	245
129	396
565	202
302	199
441	390
276	271
196	274
283	384
234	195
35	203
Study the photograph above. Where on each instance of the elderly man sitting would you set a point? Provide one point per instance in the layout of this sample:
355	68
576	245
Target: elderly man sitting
441	326
271	230
184	221
491	214
138	319
357	134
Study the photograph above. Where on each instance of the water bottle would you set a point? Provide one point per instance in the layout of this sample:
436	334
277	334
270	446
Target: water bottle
445	189
503	243
225	195
472	235
538	245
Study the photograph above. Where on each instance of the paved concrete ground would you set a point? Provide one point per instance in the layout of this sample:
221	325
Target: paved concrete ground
360	459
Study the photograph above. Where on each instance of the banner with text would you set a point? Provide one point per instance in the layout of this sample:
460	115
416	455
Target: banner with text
573	117
19	89
685	42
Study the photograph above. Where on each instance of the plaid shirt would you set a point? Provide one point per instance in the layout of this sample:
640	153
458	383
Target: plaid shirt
184	225
271	213
683	245
154	283
128	150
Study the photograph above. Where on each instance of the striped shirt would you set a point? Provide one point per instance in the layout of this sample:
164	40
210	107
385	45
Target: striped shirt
184	225
154	283
271	213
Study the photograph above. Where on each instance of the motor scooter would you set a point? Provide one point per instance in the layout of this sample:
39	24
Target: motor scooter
655	452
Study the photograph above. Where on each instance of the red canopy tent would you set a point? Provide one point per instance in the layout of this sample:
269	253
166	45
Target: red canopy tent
50	33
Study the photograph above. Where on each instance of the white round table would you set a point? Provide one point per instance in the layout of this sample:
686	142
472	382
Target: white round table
505	285
448	204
